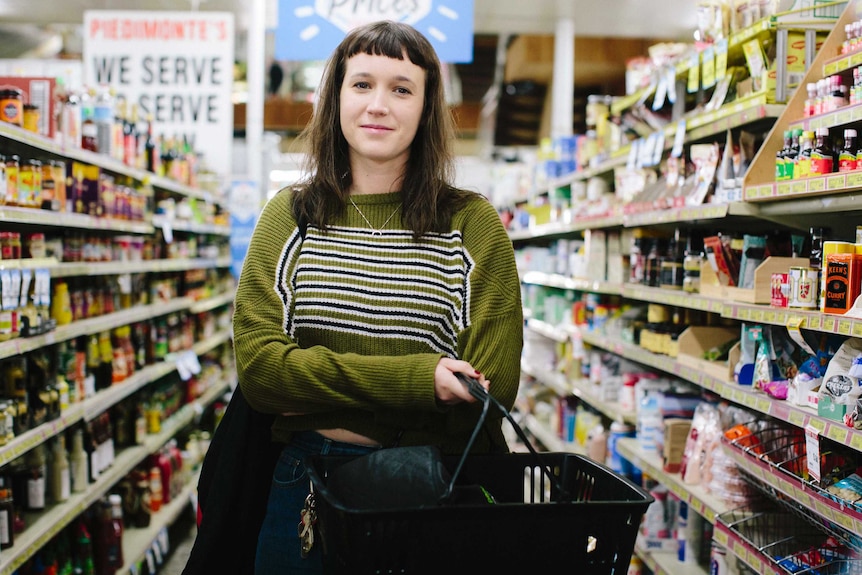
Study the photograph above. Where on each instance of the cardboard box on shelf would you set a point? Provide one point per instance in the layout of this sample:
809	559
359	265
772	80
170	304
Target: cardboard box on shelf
696	341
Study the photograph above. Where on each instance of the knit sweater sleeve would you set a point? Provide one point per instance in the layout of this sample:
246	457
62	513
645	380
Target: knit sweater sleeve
279	376
493	340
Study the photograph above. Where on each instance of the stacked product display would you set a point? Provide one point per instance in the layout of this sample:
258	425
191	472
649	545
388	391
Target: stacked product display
115	297
699	333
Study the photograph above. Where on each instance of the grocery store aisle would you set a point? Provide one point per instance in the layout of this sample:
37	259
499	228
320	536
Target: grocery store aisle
183	536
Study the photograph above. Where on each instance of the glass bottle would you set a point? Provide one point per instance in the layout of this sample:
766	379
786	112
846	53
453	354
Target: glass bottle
792	155
808	109
847	156
7	516
803	161
78	462
36	482
780	171
822	156
89	131
61	481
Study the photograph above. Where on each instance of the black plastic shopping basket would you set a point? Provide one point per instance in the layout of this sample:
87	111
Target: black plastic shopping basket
553	512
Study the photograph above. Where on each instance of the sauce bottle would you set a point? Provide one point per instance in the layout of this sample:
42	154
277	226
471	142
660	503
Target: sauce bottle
803	161
790	158
822	156
780	171
847	156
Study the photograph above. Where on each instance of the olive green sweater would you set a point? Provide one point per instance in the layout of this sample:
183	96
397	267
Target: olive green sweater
344	328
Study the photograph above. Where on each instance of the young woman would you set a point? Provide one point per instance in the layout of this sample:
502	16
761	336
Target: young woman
369	285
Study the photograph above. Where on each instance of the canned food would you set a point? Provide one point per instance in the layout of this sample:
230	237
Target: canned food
780	289
804	286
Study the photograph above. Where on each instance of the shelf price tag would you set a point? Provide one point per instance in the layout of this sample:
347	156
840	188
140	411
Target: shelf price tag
168	230
678	139
708	67
188	364
660	96
812	444
693	74
794	330
721	59
124	282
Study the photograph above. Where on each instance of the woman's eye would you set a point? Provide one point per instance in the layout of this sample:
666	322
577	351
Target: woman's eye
403	91
362	85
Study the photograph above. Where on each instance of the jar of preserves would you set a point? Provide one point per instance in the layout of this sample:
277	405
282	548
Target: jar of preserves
11	106
13	162
30	184
30	120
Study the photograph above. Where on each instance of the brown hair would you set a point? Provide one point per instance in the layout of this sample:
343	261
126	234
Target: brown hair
429	200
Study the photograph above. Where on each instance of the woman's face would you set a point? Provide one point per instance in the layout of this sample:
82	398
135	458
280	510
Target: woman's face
382	100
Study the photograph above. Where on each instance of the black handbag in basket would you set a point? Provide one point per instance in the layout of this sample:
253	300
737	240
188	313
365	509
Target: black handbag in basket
415	477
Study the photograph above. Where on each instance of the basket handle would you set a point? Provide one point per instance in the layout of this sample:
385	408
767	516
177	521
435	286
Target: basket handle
483	395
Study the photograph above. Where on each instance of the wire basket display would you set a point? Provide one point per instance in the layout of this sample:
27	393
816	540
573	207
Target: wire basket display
775	457
788	542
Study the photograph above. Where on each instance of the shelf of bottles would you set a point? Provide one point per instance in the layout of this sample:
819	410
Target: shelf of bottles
48	524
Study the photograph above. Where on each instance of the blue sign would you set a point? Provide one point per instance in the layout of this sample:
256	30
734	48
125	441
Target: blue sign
311	29
244	202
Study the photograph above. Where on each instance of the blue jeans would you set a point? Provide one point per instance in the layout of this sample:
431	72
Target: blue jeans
278	546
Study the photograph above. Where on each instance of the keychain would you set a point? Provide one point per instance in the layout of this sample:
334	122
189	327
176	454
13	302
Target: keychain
305	529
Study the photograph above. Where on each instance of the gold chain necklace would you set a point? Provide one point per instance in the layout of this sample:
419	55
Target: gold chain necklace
375	231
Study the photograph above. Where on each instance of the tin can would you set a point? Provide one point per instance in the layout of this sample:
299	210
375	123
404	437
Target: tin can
780	289
804	287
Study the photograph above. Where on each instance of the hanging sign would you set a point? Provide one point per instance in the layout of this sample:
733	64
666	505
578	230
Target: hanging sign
311	29
244	203
175	66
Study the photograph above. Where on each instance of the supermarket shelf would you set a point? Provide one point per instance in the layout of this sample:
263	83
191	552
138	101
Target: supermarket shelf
44	526
556	229
840	117
32	216
755	400
582	389
549	439
575	284
73	269
87	409
759	313
554	381
136	542
103	161
673	298
698	498
213	302
547	330
732	116
23	443
162	222
116	393
804	189
618	159
813	320
20	345
792	486
666	563
585	391
842	63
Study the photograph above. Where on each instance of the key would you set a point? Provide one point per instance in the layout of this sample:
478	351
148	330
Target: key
305	529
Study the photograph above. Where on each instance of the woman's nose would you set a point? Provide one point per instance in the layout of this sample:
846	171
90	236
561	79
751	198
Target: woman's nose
378	104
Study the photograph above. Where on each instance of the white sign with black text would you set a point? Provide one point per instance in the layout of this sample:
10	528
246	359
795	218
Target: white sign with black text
176	66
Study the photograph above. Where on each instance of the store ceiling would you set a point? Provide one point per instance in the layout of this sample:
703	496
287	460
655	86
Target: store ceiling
671	19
